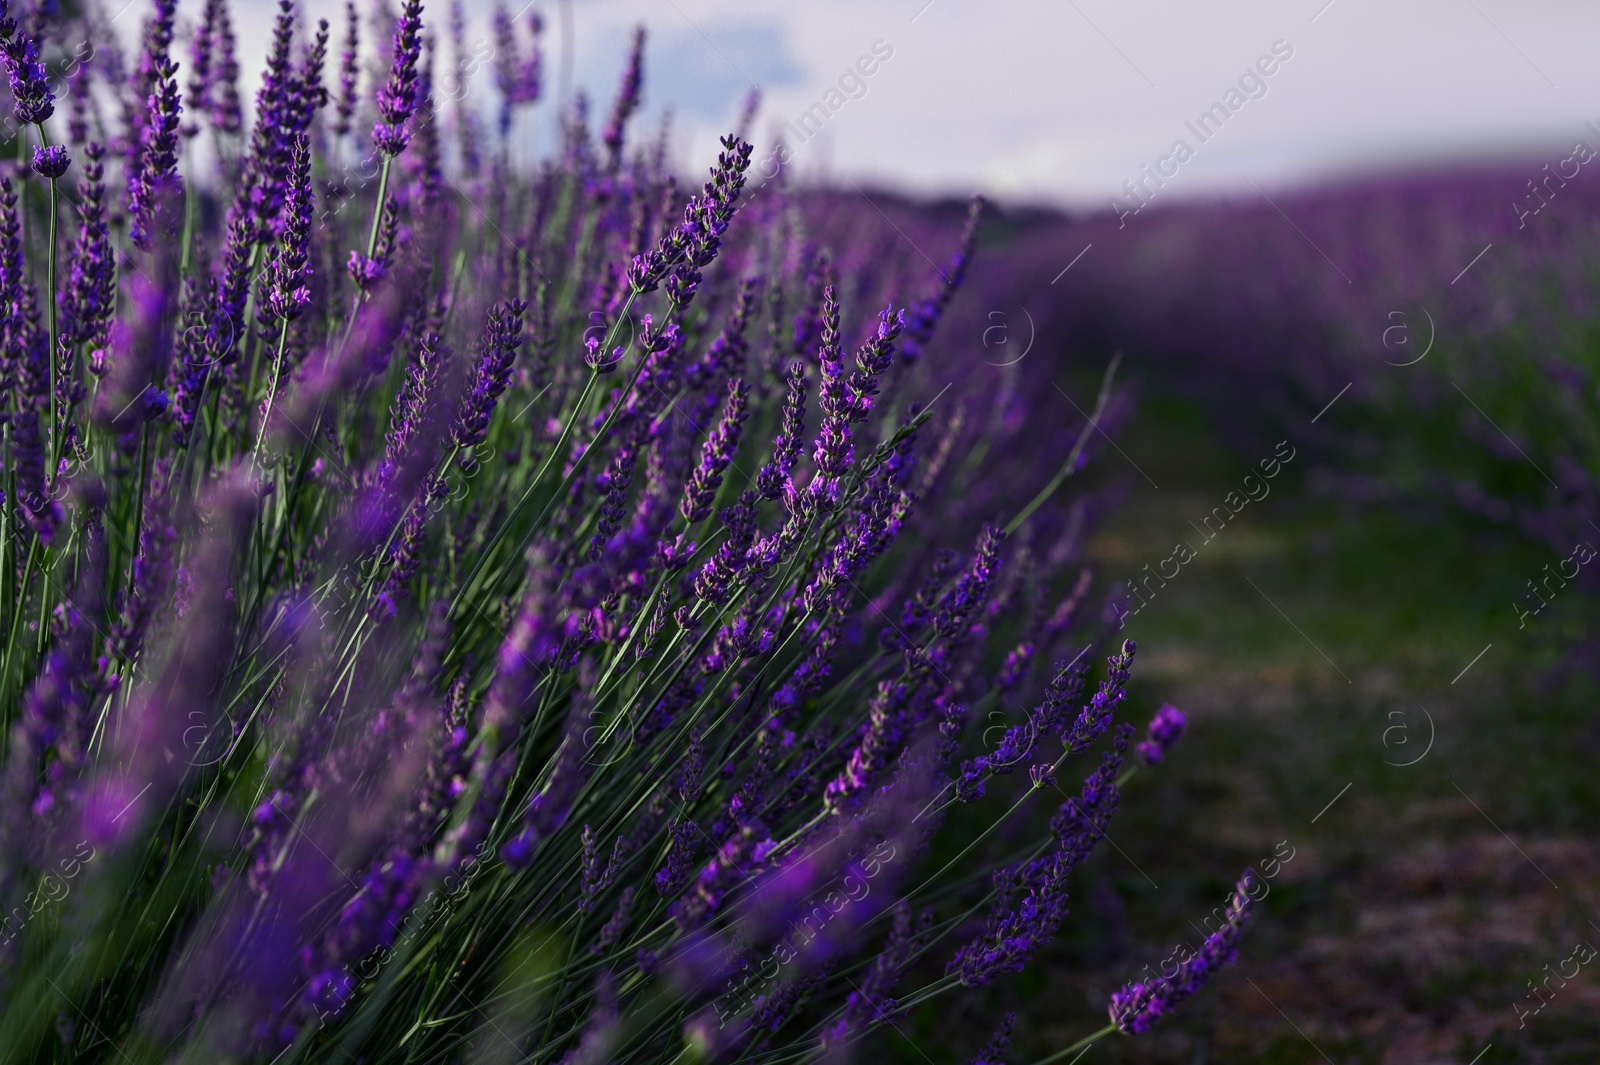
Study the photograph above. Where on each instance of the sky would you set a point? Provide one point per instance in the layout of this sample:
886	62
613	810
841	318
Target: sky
1061	103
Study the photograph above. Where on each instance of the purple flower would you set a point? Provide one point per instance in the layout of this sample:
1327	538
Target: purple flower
226	113
774	476
1097	712
51	162
515	76
502	336
627	99
1165	729
414	405
923	316
89	298
30	82
715	456
201	69
367	272
698	238
344	107
1016	927
286	284
155	169
1138	1007
870	1001
1019	742
397	98
993	1052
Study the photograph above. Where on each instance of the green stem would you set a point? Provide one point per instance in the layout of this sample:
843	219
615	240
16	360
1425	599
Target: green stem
55	429
1080	1046
272	388
1070	466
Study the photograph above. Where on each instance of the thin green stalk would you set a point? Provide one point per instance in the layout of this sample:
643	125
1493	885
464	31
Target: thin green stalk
272	388
1081	1045
1070	466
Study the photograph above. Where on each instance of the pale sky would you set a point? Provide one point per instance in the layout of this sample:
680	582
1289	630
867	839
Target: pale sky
1061	102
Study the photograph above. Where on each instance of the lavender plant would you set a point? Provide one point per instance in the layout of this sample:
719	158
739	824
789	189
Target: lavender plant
511	622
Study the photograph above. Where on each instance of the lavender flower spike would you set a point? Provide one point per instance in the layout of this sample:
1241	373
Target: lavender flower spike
1165	729
1139	1006
30	82
502	336
627	99
344	107
288	274
716	455
398	97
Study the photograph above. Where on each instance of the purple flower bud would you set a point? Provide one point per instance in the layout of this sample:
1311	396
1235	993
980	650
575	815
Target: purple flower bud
1165	729
51	162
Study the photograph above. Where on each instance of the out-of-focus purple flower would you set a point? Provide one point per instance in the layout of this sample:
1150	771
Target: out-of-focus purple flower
515	76
155	170
51	162
397	98
309	95
627	100
1138	1007
870	1001
344	106
226	113
152	570
994	1051
43	514
922	318
49	746
201	70
1165	729
424	165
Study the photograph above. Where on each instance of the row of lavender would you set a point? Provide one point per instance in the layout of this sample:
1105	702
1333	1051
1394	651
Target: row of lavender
510	621
1431	337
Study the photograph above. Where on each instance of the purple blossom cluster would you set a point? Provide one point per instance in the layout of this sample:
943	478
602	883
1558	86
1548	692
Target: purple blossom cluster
1138	1007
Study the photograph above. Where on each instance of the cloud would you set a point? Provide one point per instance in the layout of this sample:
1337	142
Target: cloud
706	76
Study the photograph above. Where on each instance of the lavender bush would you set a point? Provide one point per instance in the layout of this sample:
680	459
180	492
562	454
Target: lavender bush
534	620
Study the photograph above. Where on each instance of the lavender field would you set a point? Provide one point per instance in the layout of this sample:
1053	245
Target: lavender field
485	580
